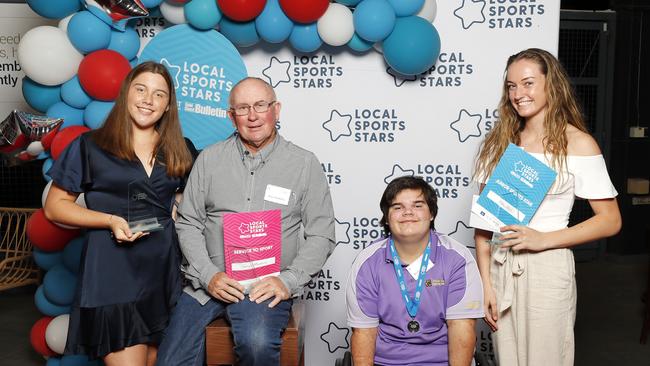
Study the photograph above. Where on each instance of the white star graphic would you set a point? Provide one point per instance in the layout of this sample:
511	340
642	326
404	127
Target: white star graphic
467	125
173	69
464	234
398	171
277	72
342	231
519	166
470	12
336	337
338	125
398	78
243	228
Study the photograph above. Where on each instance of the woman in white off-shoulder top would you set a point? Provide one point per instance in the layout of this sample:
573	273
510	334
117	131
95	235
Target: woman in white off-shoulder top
529	281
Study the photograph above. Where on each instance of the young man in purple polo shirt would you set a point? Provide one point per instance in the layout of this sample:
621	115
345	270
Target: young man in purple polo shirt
413	297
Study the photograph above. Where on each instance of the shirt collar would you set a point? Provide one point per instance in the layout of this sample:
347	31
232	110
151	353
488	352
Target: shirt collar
263	153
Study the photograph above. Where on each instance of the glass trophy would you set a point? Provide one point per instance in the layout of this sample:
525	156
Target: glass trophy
141	214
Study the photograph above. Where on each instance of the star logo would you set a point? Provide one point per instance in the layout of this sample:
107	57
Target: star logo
244	228
174	70
338	125
519	166
463	233
342	231
277	72
398	171
398	78
467	125
336	337
470	12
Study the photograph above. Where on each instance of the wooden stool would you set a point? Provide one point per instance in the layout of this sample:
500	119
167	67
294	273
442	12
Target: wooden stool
219	347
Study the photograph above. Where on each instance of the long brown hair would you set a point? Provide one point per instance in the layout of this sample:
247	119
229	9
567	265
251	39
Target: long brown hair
562	109
115	136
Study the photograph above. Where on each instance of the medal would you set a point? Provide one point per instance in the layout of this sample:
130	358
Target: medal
413	326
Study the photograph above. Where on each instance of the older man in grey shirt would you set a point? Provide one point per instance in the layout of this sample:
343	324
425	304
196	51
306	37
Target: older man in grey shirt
239	175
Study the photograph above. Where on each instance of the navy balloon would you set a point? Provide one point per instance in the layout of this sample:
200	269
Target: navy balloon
54	9
272	24
96	113
126	43
373	19
413	46
405	8
59	285
53	361
202	14
348	2
47	260
39	96
73	94
46	307
88	33
74	360
242	34
305	38
71	116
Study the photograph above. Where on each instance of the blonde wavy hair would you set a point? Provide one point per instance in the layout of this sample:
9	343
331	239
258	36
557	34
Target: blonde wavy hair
562	109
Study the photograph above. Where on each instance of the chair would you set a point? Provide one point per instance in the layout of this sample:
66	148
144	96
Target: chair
17	267
219	346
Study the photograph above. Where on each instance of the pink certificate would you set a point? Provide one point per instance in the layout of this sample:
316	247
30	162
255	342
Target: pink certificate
252	245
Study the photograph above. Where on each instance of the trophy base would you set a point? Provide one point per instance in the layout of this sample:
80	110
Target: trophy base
145	226
496	239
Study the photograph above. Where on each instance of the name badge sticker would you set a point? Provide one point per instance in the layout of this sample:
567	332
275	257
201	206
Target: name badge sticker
277	194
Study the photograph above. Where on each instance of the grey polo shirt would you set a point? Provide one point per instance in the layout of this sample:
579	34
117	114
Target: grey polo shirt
227	178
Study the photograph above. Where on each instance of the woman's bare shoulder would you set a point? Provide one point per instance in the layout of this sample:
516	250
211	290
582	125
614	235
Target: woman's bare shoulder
581	143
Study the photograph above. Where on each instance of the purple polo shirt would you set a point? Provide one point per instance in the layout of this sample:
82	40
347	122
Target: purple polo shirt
452	290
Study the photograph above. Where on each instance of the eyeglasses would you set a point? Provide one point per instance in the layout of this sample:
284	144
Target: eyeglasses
259	107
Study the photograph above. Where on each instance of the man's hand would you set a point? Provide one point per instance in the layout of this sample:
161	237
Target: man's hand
267	288
225	288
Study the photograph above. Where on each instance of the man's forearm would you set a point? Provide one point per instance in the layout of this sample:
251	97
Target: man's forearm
462	339
363	346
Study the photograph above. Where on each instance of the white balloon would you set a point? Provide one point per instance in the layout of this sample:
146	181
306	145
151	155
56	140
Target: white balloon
56	333
173	12
429	10
46	191
63	23
47	56
336	26
81	201
35	148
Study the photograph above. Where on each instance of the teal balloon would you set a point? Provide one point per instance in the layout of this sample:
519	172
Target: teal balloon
150	4
405	8
71	116
47	260
47	164
72	254
305	38
46	307
272	24
96	112
88	33
413	46
74	360
53	361
348	2
40	97
54	9
59	285
241	34
202	14
359	44
374	19
73	94
133	62
126	43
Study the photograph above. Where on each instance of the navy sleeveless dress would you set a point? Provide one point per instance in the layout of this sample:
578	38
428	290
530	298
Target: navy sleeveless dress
125	292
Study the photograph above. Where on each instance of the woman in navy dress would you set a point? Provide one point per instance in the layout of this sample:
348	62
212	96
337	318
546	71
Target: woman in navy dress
129	280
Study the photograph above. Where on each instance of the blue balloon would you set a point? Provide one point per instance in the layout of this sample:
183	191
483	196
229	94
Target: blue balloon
202	14
348	2
73	94
404	8
40	97
46	307
241	34
43	155
72	254
272	24
54	9
305	38
96	113
413	47
47	260
53	361
150	4
374	19
47	164
126	43
88	33
359	44
74	360
71	116
59	285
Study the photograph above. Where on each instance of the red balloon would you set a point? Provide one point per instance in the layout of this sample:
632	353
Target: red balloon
37	337
47	236
62	139
304	11
101	74
241	10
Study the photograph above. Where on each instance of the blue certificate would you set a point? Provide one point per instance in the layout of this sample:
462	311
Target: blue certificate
515	189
